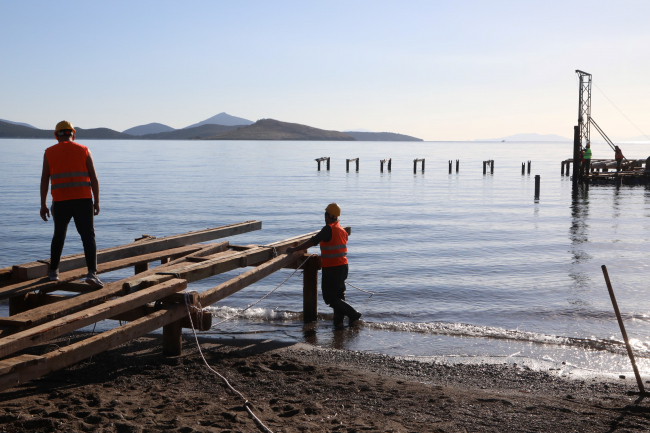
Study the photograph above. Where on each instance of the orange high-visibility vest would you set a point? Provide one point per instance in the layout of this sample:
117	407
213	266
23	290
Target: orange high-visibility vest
334	252
68	172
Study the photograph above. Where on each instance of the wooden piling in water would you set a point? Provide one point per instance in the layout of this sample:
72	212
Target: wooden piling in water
310	290
415	164
348	161
537	185
639	382
523	168
325	159
484	167
381	164
457	165
562	169
450	166
529	166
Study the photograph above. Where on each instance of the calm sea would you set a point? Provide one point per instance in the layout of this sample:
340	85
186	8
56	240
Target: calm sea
461	265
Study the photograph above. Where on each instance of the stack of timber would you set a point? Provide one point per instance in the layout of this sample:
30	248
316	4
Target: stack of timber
633	172
148	300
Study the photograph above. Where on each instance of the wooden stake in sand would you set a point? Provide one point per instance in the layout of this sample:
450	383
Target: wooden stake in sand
620	323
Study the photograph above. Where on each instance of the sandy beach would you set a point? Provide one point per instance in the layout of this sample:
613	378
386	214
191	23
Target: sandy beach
299	388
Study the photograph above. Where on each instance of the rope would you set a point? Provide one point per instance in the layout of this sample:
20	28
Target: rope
619	110
361	290
263	297
247	404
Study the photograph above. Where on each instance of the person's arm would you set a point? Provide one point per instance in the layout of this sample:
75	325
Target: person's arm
303	246
45	184
94	182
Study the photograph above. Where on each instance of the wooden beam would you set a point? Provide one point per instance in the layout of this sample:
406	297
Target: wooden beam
47	331
149	245
202	323
76	352
45	285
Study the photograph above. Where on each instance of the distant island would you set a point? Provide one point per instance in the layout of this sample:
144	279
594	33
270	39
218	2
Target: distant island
209	129
529	137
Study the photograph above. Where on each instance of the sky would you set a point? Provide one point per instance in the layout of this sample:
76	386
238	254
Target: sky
437	70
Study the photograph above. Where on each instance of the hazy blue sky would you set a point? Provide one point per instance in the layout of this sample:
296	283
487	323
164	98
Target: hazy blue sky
437	70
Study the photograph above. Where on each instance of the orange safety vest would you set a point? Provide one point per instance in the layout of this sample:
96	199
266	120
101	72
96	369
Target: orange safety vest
68	171
334	252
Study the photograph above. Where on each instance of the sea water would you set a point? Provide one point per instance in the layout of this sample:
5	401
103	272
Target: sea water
461	264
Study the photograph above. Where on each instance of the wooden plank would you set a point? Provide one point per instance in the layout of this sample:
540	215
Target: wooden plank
42	333
29	271
138	313
45	285
20	361
76	352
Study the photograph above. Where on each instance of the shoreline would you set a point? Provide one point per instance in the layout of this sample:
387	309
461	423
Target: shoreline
298	387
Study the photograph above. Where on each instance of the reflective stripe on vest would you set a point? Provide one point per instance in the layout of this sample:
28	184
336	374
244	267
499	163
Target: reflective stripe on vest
68	172
334	252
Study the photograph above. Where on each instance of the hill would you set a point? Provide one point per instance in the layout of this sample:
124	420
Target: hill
18	123
10	130
270	129
222	119
197	132
380	136
149	128
529	137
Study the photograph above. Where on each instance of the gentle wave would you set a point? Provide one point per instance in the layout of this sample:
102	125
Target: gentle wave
642	349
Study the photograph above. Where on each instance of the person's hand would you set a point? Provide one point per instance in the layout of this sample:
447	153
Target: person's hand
96	207
44	212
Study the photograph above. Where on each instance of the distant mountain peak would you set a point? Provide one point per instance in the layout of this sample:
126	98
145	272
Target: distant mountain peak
18	123
149	128
222	118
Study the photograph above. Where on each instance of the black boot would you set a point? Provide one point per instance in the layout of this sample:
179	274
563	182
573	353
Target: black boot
346	309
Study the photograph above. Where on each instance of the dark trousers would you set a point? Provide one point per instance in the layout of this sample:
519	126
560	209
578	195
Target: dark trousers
83	213
586	165
333	288
618	164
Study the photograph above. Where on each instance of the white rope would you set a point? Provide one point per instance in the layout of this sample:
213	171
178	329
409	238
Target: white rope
361	290
263	297
246	402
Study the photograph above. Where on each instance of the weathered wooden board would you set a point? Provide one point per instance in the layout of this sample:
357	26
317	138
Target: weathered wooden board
76	352
45	285
55	328
34	270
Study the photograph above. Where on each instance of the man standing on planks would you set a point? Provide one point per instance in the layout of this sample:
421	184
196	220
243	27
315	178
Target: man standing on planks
333	246
586	159
69	166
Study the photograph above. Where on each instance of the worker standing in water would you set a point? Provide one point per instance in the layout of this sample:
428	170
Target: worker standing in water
333	241
618	155
586	159
69	167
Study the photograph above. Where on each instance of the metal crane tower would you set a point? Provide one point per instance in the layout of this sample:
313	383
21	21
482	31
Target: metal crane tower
584	111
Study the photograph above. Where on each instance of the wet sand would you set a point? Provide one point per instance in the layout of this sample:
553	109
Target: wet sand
299	388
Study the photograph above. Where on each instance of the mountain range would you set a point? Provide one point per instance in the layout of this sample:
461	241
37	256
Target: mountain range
229	128
529	137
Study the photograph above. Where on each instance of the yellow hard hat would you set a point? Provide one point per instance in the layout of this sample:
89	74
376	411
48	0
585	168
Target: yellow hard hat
333	209
64	124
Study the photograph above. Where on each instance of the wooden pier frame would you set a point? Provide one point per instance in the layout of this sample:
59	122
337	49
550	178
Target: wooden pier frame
381	164
489	162
152	299
326	159
415	165
348	161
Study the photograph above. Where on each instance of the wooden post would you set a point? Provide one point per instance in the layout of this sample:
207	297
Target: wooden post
141	267
450	165
172	339
390	162
318	162
422	165
357	164
622	326
576	154
17	304
529	166
415	166
537	182
347	165
328	163
165	260
381	166
484	167
562	169
457	165
310	291
523	168
568	168
491	166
